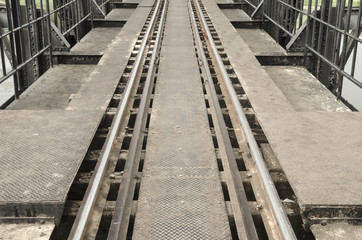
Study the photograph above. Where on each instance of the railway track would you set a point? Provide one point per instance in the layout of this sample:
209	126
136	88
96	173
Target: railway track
102	203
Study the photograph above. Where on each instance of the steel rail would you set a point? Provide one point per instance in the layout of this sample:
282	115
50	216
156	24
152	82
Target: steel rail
243	218
82	218
118	228
272	194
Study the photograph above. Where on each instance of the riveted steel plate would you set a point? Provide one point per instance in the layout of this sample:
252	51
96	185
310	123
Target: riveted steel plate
180	195
40	154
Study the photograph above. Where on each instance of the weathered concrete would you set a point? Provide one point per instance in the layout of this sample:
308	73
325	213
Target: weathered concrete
303	90
320	153
264	94
260	42
26	231
236	15
54	88
42	150
120	14
96	42
337	231
316	140
105	77
40	154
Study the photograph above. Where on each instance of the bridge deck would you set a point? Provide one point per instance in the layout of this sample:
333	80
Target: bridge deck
320	154
106	75
180	195
236	15
41	151
260	42
97	41
40	154
54	89
314	137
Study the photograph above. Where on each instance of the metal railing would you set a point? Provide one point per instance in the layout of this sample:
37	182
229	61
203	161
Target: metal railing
332	36
330	30
31	29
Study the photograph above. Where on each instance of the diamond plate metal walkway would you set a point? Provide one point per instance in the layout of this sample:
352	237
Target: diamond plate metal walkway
180	194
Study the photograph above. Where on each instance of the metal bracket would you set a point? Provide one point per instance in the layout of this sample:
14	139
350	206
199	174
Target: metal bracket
257	9
94	1
296	35
60	35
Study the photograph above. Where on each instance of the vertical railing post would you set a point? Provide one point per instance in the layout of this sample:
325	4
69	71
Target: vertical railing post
91	12
12	46
355	43
307	34
50	34
16	24
77	17
343	60
339	24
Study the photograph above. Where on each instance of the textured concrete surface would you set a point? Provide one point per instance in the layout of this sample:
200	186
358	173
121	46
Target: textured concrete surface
260	42
303	90
106	75
54	88
236	15
120	14
224	1
263	93
317	146
97	41
40	154
320	153
180	195
42	150
132	1
26	231
337	231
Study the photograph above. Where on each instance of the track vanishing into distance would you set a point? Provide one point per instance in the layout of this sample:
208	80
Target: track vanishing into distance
103	200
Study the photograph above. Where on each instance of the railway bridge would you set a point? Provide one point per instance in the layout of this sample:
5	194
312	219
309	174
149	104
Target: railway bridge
180	119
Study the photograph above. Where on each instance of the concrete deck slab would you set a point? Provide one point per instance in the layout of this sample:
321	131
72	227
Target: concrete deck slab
303	90
236	15
26	231
40	154
224	1
132	1
320	153
96	41
54	88
120	14
337	231
105	77
260	42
